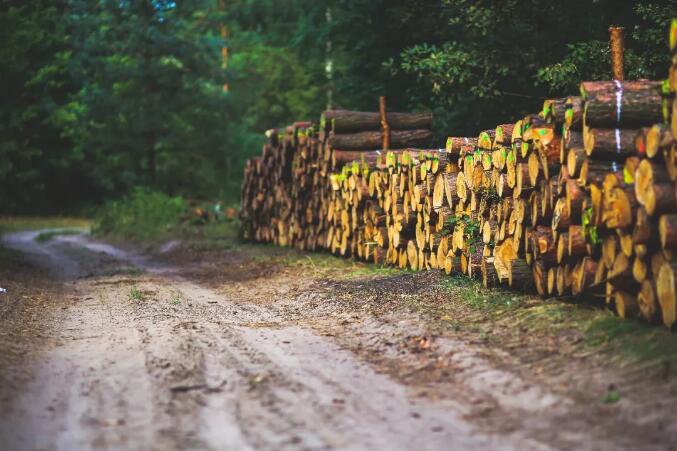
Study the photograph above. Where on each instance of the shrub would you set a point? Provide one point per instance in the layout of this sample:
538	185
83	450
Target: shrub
141	215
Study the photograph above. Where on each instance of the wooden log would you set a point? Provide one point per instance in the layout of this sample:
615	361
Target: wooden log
593	172
489	275
646	299
543	245
561	280
666	291
485	139
573	115
372	140
574	196
562	244
620	274
622	104
574	161
622	207
553	110
653	188
503	135
626	304
577	242
344	121
583	275
609	143
539	273
451	263
667	231
658	139
460	146
551	278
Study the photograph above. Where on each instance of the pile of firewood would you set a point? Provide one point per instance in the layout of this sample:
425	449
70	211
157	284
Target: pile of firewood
577	200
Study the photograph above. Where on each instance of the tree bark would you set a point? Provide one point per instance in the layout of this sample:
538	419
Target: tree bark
371	140
344	121
622	104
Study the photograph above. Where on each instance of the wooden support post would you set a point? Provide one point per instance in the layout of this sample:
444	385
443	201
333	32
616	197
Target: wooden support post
616	44
385	128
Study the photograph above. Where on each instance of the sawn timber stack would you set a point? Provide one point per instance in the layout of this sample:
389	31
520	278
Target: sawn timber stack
576	200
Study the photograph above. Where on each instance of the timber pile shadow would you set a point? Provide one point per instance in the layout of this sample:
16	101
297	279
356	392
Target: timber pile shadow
577	200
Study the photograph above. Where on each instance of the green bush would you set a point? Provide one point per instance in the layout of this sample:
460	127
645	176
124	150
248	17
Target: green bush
141	215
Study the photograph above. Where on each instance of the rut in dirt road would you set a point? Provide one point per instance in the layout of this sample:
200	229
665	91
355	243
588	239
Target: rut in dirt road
179	365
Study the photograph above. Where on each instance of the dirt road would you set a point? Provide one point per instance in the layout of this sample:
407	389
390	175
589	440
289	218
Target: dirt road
137	354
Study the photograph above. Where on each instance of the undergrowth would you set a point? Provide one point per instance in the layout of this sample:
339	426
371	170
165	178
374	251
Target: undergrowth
135	294
16	223
631	338
143	215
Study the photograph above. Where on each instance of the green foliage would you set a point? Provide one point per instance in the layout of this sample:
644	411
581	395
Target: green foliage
142	215
639	341
476	296
104	96
37	163
494	61
16	223
612	396
150	110
135	294
471	229
176	299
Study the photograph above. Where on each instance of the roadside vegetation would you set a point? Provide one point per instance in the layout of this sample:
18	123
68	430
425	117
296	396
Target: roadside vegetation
16	223
143	215
121	95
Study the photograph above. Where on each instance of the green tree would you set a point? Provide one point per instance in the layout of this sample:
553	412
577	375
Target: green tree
37	164
150	109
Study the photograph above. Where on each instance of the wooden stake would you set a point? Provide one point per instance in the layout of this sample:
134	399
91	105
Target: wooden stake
385	128
616	44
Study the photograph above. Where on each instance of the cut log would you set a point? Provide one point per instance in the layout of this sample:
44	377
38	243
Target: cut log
344	121
666	291
373	140
609	143
658	139
583	275
646	298
626	304
573	116
667	231
653	188
623	104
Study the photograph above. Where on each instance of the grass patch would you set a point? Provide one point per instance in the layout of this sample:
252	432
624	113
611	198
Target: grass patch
319	262
153	218
51	234
210	236
135	294
143	215
475	295
612	396
631	338
176	299
16	223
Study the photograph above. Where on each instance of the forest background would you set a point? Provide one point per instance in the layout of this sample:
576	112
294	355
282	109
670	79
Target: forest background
101	98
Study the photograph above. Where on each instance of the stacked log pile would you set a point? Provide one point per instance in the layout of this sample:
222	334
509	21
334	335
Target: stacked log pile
578	200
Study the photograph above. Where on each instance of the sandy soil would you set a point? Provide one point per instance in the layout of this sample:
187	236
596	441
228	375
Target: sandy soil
107	349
